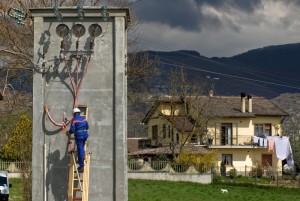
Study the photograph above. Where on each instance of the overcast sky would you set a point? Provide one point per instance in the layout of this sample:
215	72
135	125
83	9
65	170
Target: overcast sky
219	28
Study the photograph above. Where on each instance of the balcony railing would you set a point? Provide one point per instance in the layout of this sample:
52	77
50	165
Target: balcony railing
240	140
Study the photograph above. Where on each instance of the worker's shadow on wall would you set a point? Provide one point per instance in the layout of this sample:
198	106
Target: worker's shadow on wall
57	176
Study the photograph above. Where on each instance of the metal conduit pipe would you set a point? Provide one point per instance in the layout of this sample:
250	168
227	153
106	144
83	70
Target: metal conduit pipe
45	173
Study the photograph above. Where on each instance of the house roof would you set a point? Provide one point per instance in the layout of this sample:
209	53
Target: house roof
226	106
230	106
167	151
154	107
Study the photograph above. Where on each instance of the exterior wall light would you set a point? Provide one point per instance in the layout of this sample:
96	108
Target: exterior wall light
104	13
80	12
18	15
57	14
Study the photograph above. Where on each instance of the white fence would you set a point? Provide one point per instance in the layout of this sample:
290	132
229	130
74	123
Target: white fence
14	167
166	166
163	170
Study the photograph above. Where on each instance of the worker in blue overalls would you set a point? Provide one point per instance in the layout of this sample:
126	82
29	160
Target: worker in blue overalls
79	126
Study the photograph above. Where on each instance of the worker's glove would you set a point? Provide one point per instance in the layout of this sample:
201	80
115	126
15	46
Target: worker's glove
66	120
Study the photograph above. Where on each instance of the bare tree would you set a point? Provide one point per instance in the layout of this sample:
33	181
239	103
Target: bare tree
190	112
16	40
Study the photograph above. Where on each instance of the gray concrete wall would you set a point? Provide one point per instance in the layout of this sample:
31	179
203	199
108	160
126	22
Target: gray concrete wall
165	176
103	90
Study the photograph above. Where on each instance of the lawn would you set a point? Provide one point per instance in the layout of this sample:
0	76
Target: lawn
144	190
15	192
141	190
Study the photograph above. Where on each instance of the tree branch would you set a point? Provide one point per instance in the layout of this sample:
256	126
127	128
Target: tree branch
17	54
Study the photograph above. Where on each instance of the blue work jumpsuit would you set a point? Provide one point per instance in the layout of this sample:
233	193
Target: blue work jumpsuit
79	126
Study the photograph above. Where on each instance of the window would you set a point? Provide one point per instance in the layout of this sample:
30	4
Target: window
172	135
144	143
187	108
155	132
177	138
164	131
3	181
226	134
262	130
259	129
169	130
194	138
227	159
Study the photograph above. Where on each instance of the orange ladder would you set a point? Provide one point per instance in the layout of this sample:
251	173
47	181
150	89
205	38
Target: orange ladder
79	181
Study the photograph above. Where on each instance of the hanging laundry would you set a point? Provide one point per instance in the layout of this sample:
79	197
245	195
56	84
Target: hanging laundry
255	139
283	150
265	142
271	144
261	142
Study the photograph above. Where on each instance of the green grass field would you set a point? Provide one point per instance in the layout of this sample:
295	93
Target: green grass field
141	190
144	190
15	192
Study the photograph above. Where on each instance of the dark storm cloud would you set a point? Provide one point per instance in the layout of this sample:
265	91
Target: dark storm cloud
175	13
186	14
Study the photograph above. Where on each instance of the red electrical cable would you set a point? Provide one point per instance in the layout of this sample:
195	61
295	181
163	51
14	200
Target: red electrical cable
76	69
76	89
69	72
78	85
50	118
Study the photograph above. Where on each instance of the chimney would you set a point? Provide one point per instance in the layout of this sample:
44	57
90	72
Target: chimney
250	103
243	95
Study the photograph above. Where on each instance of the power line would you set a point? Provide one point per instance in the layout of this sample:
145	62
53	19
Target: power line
245	70
238	68
253	72
228	75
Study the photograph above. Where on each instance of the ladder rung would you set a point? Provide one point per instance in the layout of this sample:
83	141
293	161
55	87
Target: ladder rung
78	172
77	198
76	179
77	189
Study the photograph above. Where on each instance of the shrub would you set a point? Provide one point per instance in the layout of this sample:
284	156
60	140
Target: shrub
19	145
223	169
232	173
270	173
216	179
206	160
257	171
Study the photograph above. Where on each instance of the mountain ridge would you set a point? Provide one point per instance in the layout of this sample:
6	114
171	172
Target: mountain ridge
268	71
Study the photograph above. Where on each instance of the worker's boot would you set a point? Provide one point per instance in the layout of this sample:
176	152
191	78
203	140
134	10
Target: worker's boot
80	169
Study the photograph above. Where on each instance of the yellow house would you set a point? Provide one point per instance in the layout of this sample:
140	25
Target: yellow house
236	128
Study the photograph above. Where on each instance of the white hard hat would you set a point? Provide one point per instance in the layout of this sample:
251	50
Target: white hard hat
76	110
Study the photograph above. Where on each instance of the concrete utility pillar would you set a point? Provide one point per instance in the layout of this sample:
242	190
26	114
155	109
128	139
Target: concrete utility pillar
70	47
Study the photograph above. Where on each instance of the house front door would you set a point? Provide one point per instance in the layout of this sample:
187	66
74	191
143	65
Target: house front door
266	159
226	134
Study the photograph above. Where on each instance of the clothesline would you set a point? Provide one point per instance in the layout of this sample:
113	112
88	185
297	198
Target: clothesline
282	147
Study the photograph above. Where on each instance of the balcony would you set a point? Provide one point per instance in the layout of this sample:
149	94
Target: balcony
241	141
